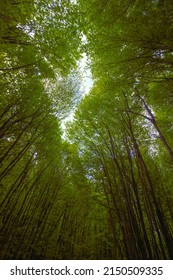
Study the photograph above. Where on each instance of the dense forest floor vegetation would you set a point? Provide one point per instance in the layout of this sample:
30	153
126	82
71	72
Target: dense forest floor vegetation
105	190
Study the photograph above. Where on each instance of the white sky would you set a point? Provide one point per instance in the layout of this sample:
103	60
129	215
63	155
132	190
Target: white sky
87	81
86	84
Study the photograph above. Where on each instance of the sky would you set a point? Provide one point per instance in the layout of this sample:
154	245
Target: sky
86	85
87	81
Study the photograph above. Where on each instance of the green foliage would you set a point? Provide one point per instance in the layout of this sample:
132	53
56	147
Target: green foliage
104	191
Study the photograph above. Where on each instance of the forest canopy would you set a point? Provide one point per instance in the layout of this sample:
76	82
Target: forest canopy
104	191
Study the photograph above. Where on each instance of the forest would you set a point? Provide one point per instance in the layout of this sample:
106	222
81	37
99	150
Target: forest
101	188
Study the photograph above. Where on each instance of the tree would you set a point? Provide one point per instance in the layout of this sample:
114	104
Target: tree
104	191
